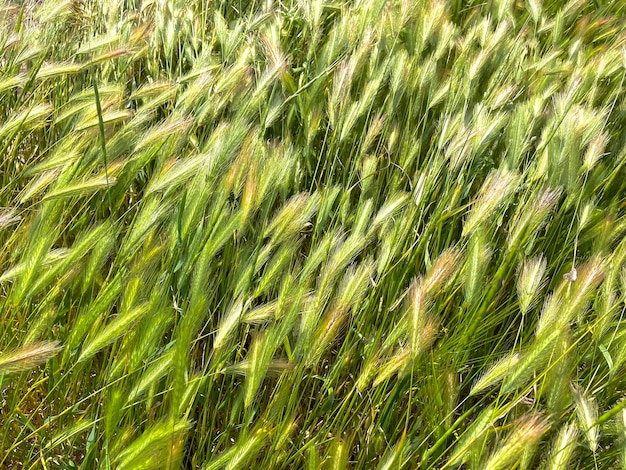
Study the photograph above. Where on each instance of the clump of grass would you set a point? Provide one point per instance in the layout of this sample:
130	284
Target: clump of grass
384	234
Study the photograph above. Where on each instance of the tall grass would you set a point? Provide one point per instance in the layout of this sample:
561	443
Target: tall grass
312	234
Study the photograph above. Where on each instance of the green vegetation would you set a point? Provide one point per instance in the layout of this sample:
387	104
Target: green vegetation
309	234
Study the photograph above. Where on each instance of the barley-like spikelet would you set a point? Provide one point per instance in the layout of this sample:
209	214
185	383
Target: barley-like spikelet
58	70
276	268
587	412
10	82
531	216
368	370
533	359
606	305
37	186
261	314
595	151
155	372
558	375
367	172
621	425
386	252
8	217
116	328
151	213
488	126
340	258
563	448
530	281
228	323
51	258
67	151
519	131
494	192
527	432
271	46
374	130
440	93
225	227
27	357
154	447
340	90
463	448
80	189
172	127
104	42
589	278
35	248
528	459
239	455
56	11
586	213
151	333
360	107
108	117
422	327
444	267
476	265
622	283
393	456
389	209
265	83
396	364
329	328
28	119
496	372
362	218
353	286
338	454
99	255
90	316
259	358
291	218
245	368
84	243
550	315
68	434
45	314
313	458
177	173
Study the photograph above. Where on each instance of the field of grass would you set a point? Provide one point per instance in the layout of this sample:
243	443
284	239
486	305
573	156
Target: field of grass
305	234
